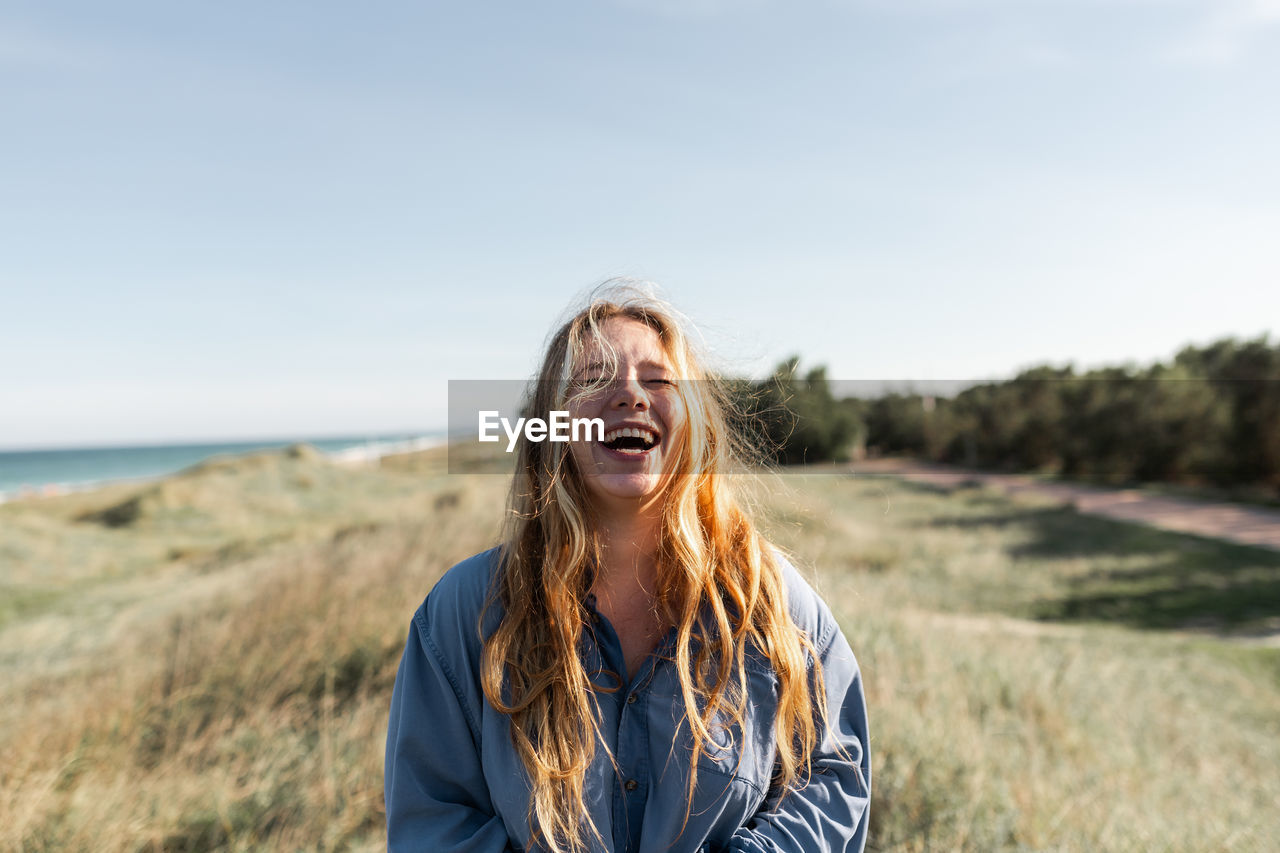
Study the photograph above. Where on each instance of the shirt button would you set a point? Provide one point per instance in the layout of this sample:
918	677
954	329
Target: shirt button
631	785
631	700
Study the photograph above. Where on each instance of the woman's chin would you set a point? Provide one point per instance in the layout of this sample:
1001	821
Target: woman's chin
634	488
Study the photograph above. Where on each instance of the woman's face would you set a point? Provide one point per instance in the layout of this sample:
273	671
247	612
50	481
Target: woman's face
643	414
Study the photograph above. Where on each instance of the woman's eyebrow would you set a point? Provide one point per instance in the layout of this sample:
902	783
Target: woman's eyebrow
647	364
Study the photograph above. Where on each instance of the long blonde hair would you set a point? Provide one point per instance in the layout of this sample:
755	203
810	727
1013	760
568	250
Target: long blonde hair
711	559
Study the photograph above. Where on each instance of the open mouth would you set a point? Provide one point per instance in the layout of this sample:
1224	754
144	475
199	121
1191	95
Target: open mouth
633	441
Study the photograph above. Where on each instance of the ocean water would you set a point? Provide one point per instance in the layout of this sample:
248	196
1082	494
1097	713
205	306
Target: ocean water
27	472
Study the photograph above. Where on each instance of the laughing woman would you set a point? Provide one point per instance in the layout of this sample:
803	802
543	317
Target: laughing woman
634	668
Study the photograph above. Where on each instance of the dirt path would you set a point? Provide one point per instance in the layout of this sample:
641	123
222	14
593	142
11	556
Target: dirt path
1244	525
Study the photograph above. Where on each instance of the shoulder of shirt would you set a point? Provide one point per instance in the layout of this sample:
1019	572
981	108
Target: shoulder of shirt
809	612
451	611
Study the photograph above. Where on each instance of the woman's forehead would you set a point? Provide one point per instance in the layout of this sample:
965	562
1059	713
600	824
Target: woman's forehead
630	339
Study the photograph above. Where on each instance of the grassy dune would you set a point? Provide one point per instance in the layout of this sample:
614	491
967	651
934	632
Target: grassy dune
205	663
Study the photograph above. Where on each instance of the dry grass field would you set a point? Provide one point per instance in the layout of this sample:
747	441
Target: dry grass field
206	662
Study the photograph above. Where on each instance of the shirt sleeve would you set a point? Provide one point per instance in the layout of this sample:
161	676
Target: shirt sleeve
436	796
829	814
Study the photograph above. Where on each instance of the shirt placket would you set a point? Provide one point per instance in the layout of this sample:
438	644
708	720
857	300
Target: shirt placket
632	782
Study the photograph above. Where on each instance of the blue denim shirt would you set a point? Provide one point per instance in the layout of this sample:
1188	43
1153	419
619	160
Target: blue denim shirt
454	782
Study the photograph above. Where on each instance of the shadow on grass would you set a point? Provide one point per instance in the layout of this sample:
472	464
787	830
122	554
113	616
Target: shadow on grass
1234	598
1176	581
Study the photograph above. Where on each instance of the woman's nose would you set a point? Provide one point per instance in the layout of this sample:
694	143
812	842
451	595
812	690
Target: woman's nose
631	393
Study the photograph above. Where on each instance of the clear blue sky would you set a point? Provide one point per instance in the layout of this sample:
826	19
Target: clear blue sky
257	219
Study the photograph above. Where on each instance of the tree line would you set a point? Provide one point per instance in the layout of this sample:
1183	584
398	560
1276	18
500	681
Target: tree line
1210	416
